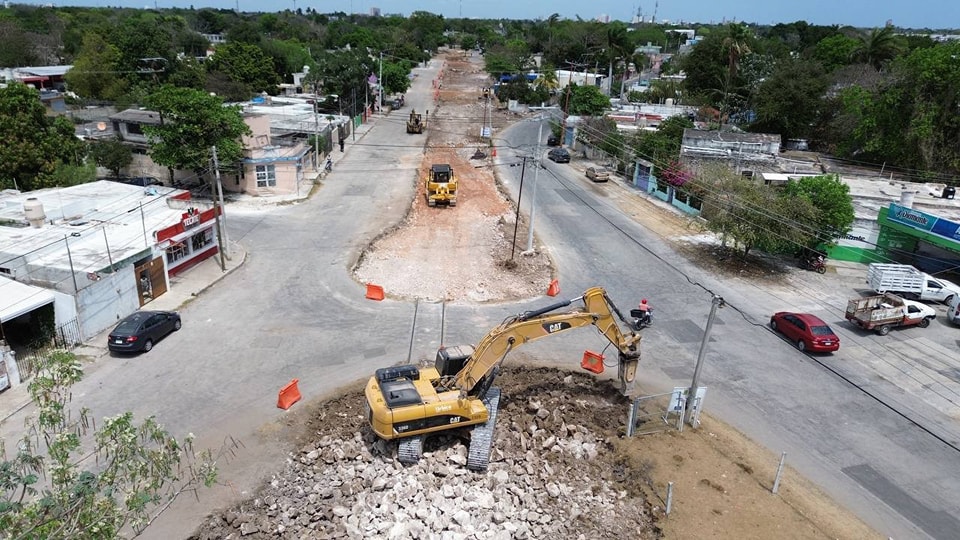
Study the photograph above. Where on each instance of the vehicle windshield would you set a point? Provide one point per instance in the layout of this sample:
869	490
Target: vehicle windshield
821	330
127	327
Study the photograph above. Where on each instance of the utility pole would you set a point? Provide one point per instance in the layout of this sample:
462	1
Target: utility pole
316	131
716	302
221	219
353	114
143	223
73	273
566	105
533	200
516	220
380	84
107	242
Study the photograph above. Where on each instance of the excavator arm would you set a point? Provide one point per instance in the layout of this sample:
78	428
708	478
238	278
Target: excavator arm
597	310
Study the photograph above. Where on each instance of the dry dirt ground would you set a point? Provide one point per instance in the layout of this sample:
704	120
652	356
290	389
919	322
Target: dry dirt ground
424	256
562	466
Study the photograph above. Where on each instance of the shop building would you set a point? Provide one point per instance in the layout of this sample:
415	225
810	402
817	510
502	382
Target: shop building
77	259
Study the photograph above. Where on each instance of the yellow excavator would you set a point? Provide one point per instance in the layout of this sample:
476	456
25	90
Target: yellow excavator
441	185
407	403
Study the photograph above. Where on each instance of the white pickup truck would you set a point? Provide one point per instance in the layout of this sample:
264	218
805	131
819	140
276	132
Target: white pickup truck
908	282
883	312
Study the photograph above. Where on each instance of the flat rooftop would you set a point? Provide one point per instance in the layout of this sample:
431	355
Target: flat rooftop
90	217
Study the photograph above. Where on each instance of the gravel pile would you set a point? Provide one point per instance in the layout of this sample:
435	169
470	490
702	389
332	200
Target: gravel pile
550	476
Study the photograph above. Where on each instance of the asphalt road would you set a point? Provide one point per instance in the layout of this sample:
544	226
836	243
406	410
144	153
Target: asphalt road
293	311
848	421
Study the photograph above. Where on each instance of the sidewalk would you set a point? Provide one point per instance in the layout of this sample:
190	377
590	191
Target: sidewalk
183	289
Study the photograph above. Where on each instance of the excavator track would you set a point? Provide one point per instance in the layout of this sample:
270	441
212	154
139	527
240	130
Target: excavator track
481	438
410	450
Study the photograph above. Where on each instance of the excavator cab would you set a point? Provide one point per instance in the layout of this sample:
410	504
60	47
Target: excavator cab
441	185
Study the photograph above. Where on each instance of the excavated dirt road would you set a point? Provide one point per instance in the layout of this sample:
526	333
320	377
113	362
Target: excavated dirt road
562	466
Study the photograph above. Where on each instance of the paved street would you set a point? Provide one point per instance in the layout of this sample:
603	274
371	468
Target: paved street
848	421
292	310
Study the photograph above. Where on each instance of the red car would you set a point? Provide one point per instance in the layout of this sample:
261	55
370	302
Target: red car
808	331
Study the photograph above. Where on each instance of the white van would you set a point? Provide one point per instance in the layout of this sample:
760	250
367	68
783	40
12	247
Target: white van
953	309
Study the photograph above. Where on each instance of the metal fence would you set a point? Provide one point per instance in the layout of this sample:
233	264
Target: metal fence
66	336
655	413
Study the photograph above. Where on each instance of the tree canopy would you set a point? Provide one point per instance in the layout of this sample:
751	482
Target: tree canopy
192	122
138	468
34	145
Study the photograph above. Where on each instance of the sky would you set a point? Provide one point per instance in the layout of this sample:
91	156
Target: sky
934	14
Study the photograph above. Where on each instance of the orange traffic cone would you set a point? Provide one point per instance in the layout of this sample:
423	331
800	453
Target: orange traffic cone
554	288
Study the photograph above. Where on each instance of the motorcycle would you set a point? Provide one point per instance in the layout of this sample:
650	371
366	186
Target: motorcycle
817	264
641	318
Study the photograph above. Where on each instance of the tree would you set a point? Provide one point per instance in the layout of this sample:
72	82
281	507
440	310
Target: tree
878	47
34	144
587	100
111	154
750	214
789	101
139	467
396	78
835	51
93	74
834	206
245	64
737	45
192	122
663	145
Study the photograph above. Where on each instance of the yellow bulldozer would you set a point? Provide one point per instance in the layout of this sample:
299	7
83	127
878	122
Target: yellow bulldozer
441	185
416	123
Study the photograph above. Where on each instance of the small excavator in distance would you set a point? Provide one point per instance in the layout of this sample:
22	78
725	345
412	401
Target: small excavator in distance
441	185
415	123
407	403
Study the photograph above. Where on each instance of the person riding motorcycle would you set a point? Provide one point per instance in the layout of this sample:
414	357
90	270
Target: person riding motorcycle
642	315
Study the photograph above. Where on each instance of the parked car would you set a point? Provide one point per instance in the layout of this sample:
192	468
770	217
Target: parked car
953	310
807	331
553	140
560	155
140	331
598	174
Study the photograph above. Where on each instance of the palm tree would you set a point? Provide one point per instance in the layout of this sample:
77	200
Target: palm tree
878	47
736	44
619	47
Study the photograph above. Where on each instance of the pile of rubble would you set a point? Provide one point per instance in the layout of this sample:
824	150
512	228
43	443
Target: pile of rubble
551	475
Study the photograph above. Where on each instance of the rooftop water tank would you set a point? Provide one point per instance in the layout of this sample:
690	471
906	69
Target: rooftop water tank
33	209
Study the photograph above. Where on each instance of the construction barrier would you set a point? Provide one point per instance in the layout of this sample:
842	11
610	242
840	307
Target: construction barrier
554	288
374	292
592	362
289	395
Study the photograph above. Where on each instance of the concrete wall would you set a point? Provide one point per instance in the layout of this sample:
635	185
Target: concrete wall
64	307
105	302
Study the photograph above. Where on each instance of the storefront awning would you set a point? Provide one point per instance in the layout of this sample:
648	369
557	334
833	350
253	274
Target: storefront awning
18	298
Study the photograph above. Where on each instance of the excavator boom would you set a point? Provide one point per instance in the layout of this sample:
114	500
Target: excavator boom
597	310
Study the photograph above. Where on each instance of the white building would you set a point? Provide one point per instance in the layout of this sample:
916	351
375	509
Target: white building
94	252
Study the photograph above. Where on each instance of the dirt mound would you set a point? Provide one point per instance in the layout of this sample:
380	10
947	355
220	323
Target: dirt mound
554	473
